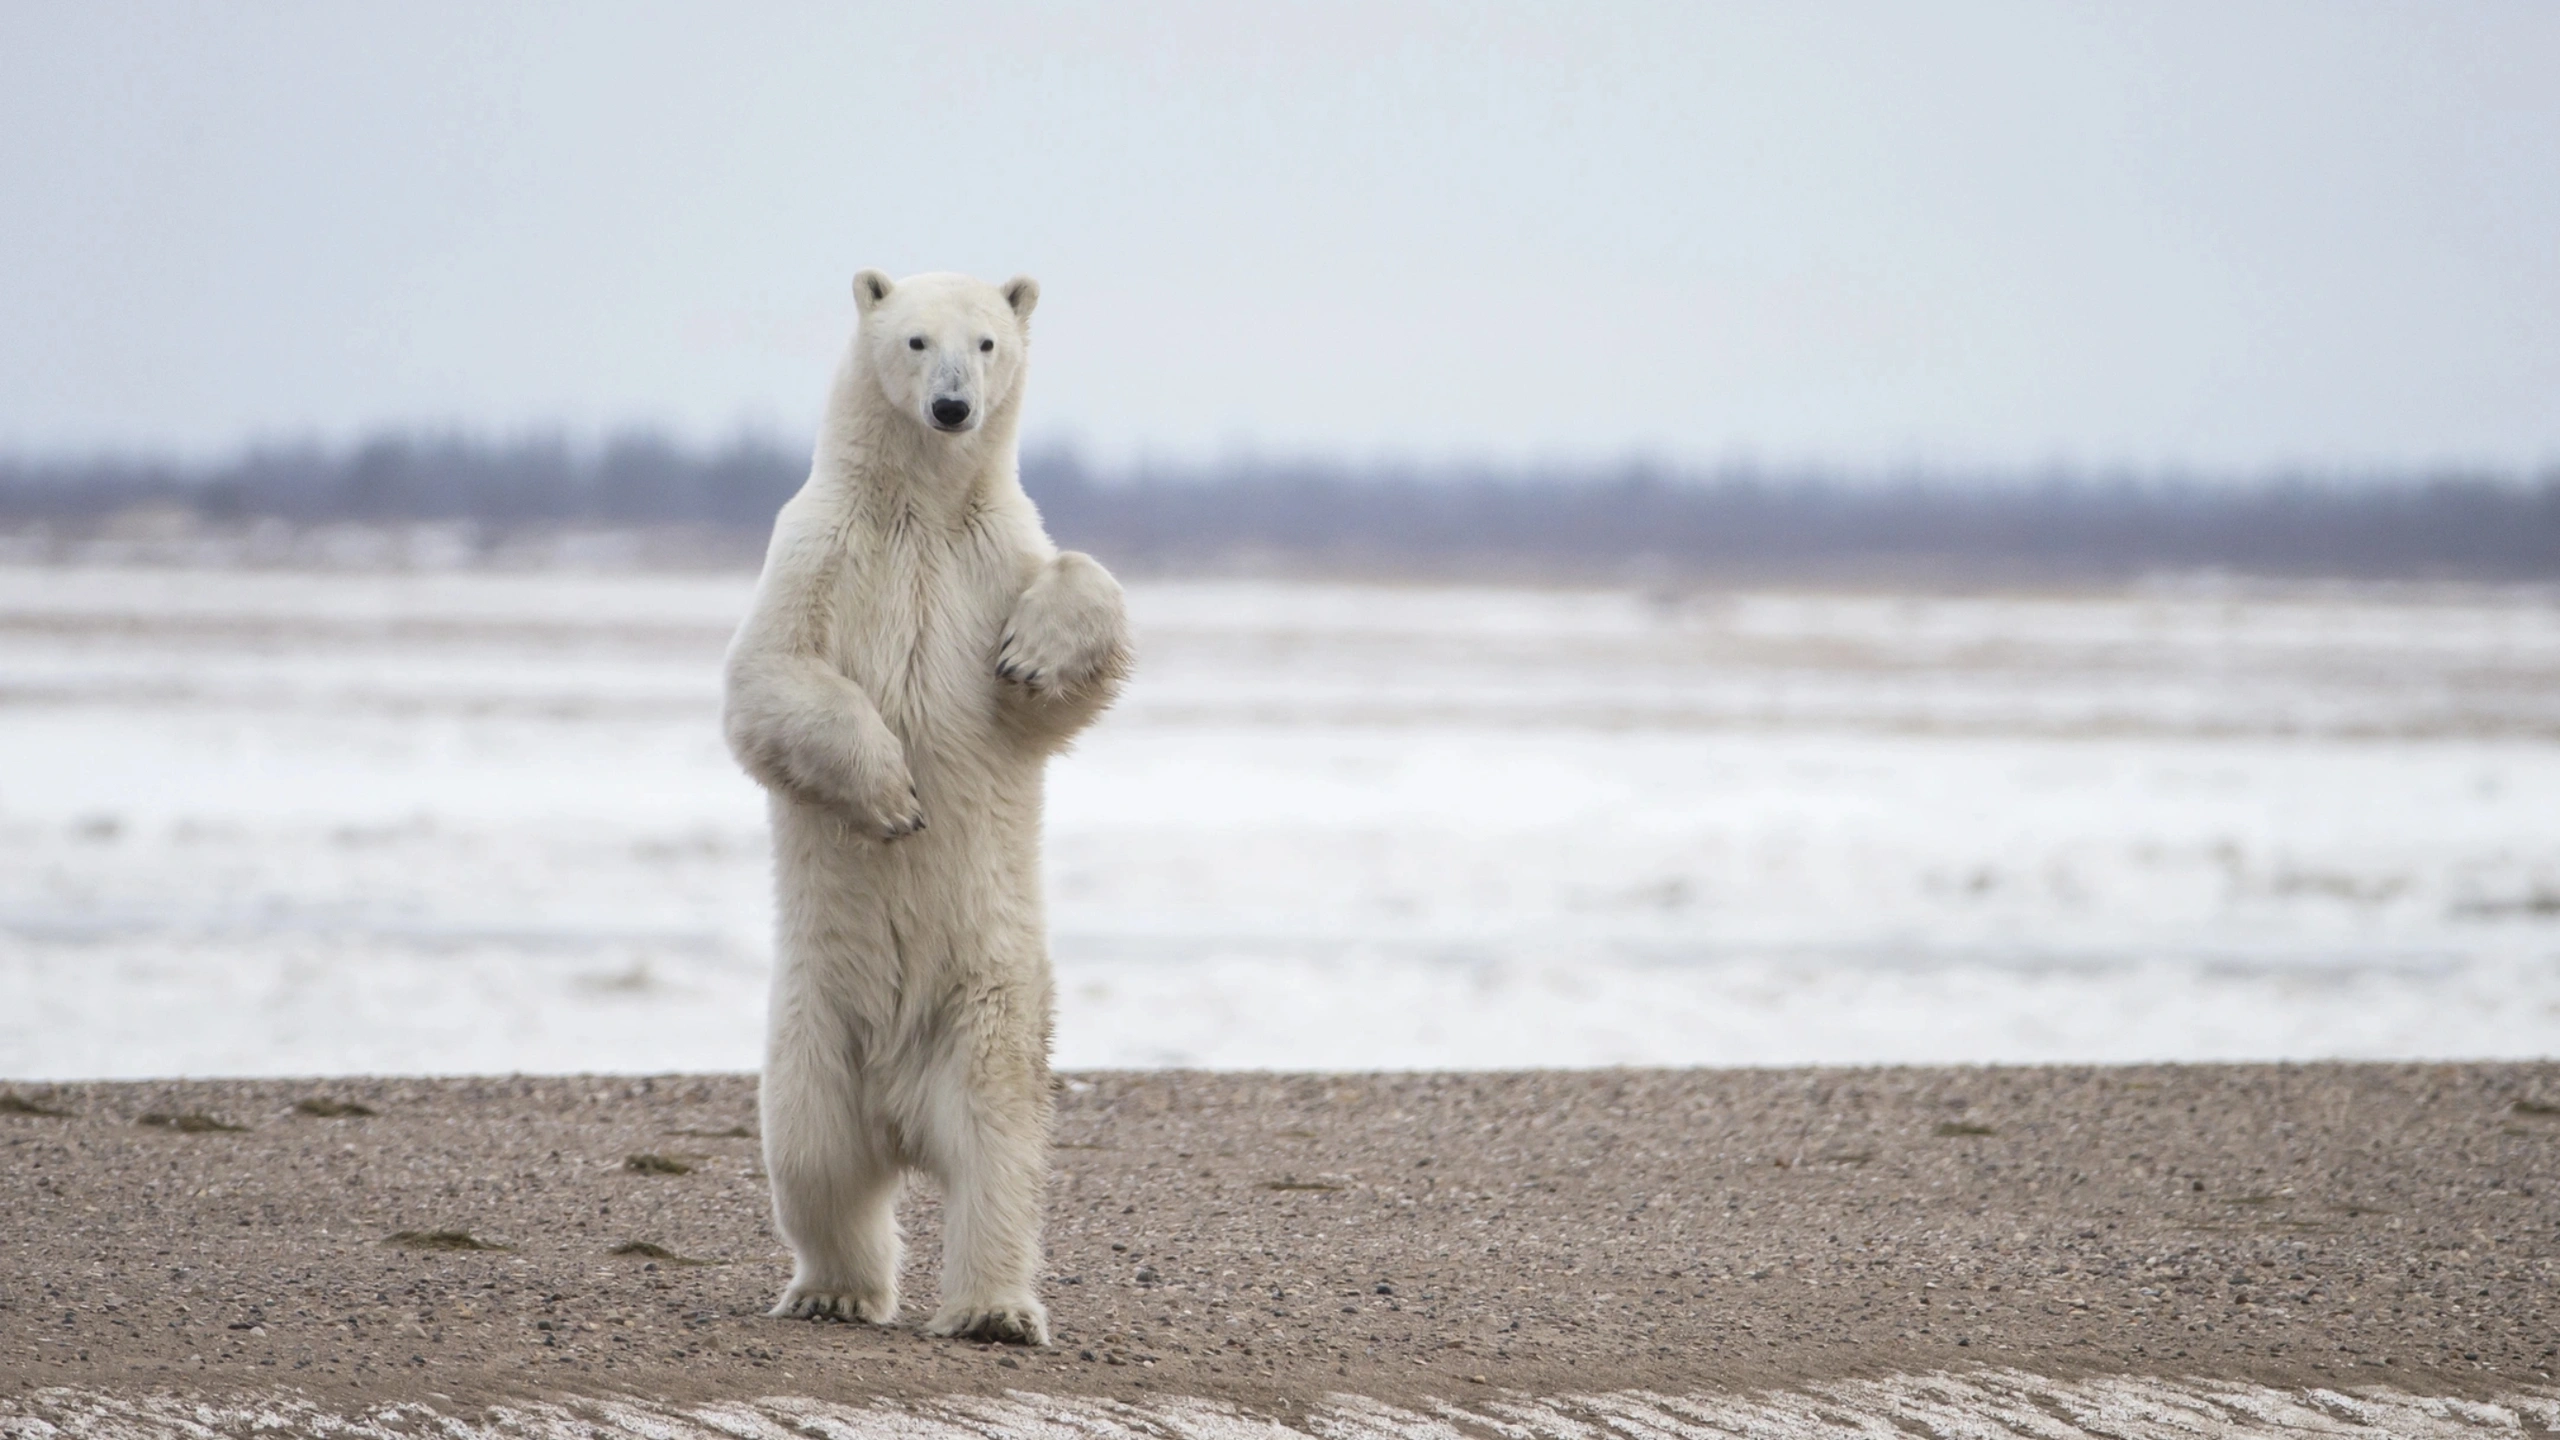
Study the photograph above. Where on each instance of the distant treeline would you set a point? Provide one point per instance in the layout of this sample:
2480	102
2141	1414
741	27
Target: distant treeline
1628	521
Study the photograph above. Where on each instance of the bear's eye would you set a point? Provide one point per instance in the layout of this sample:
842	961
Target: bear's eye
915	342
986	345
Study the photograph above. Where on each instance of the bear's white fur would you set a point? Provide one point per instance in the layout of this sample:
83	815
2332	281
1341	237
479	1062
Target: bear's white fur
916	651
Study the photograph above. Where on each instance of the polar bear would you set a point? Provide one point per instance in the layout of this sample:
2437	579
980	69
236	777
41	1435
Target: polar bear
916	651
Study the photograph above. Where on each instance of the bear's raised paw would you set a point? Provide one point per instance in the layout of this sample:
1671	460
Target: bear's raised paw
1068	633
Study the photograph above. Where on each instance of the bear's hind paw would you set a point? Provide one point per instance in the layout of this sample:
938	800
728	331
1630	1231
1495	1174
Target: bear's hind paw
1016	1322
799	1303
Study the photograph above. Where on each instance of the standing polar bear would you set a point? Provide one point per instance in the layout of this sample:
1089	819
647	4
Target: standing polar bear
916	651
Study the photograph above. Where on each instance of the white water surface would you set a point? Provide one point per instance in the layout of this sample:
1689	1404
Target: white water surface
260	822
1989	1404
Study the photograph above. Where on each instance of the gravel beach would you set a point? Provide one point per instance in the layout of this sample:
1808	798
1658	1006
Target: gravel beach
1268	1240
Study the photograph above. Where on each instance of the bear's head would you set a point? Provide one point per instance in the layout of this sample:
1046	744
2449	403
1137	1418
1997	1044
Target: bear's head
945	349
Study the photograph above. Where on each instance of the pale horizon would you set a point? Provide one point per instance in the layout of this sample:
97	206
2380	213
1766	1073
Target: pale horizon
2208	239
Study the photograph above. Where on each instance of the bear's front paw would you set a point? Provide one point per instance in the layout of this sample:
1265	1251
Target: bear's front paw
1018	1321
888	802
1068	633
894	817
811	1302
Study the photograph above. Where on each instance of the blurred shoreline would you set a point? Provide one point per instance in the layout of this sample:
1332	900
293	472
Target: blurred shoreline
169	537
164	538
453	501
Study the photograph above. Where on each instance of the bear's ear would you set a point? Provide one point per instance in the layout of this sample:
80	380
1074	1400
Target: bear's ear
1022	293
869	289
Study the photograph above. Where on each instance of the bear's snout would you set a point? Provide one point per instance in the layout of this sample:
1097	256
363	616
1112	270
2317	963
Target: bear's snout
950	413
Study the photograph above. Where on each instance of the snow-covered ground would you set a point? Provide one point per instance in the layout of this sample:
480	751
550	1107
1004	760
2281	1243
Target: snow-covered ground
277	822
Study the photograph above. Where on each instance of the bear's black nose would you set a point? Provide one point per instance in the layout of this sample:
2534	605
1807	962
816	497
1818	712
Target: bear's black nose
950	413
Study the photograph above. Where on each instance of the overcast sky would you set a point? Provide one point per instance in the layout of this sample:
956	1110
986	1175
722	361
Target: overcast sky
2226	236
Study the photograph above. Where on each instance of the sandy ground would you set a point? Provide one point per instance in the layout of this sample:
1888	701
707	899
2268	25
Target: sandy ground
1267	1240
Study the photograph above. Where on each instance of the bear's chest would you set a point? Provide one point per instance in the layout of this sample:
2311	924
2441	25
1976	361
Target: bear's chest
917	623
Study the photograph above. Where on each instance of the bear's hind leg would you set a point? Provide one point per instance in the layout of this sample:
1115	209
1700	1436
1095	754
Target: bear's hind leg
845	1247
836	1178
988	1142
